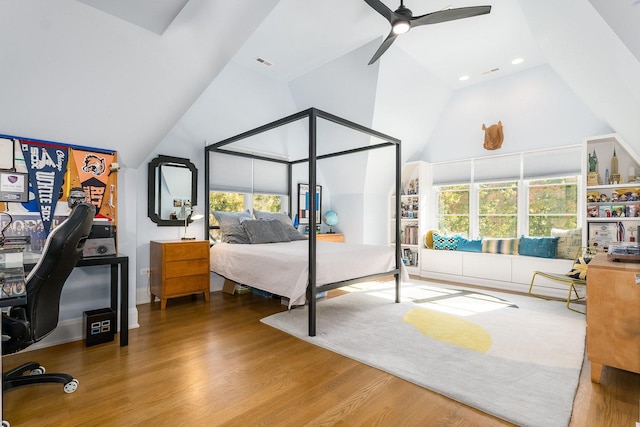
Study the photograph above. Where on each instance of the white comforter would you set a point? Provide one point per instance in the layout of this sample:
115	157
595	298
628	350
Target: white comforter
282	268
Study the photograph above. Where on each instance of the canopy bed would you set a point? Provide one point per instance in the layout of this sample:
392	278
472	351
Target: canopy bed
267	145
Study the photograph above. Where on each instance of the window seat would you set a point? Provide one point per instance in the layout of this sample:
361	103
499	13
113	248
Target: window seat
501	271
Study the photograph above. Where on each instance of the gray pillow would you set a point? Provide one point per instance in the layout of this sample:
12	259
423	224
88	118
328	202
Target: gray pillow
293	233
234	233
273	215
230	218
260	231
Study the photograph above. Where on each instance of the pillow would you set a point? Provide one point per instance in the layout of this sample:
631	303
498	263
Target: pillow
469	245
428	238
273	215
293	233
234	233
230	218
579	269
543	247
260	231
569	242
445	243
500	246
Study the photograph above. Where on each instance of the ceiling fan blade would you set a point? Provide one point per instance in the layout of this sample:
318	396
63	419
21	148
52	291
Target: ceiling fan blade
383	47
380	7
450	15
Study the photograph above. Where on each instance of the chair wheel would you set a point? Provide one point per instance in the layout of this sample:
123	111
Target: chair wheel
38	371
5	423
71	386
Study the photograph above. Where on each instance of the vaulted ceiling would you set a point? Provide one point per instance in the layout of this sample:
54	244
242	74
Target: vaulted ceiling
122	73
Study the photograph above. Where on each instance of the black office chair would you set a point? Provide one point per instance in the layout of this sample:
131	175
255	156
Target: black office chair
29	323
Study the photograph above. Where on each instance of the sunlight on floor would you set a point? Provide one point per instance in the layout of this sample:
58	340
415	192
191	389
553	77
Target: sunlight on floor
442	298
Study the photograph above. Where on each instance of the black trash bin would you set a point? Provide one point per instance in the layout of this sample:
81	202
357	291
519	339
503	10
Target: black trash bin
99	326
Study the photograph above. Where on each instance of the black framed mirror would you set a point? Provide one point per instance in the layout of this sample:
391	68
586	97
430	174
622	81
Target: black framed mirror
172	186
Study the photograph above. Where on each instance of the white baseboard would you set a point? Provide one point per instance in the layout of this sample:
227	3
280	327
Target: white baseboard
73	330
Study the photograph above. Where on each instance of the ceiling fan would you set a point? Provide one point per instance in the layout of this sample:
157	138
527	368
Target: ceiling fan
402	20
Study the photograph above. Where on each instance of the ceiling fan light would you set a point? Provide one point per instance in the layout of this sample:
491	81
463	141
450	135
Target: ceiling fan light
401	27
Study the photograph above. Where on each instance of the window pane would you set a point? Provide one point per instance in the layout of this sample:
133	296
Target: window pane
453	209
500	198
498	226
226	202
267	202
553	203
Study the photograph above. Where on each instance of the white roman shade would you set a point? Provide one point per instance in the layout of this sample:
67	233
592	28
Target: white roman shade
452	173
557	162
245	175
499	168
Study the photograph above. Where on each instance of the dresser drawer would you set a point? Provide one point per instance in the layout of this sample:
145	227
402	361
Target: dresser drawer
187	285
185	268
186	251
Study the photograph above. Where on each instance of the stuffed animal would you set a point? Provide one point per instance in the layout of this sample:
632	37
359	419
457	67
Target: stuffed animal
493	136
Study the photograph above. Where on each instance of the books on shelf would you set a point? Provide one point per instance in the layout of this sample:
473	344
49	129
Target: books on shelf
410	234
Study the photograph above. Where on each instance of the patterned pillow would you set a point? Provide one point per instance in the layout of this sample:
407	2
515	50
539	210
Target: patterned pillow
261	231
445	243
569	241
579	269
500	246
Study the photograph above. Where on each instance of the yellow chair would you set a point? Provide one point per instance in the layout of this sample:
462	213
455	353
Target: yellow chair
577	278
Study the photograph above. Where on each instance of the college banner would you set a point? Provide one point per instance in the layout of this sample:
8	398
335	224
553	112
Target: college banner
93	172
46	165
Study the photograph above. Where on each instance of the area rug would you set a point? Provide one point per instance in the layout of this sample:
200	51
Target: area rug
513	356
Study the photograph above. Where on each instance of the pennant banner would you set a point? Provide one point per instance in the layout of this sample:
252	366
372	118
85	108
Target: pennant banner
93	172
46	165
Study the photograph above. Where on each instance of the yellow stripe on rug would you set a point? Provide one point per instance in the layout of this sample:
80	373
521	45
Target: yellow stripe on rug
449	329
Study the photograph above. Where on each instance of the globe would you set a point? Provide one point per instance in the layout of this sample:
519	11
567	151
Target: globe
331	219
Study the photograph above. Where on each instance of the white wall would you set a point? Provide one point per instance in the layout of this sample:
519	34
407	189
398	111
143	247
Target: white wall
537	110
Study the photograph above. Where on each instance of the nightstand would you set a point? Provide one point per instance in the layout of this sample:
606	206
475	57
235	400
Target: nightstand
178	268
330	237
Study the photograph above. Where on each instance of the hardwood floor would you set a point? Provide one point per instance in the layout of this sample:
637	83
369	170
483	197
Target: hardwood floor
203	363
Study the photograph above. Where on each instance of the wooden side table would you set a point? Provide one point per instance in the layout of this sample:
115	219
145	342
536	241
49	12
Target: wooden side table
613	315
178	268
330	237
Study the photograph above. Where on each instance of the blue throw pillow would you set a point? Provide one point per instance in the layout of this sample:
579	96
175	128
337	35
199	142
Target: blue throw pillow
469	245
542	247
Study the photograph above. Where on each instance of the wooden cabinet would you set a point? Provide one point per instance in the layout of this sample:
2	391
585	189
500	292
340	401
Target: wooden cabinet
613	315
179	268
330	237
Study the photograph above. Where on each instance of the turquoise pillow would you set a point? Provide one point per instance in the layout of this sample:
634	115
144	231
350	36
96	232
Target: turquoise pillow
542	247
445	243
469	245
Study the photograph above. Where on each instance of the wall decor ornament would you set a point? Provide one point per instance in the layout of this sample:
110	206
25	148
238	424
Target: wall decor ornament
493	136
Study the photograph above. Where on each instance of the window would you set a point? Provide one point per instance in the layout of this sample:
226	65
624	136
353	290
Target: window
552	204
453	209
238	202
498	209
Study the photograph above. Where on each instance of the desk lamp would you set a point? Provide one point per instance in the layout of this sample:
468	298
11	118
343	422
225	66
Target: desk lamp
189	213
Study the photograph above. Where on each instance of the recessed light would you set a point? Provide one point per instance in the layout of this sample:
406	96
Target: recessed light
463	78
517	61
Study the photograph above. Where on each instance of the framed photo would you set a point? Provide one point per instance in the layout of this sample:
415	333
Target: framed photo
601	234
304	203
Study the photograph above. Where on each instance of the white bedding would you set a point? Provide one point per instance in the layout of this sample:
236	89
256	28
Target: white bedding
282	268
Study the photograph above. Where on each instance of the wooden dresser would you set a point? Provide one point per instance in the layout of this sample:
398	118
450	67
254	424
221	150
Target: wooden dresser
613	315
178	268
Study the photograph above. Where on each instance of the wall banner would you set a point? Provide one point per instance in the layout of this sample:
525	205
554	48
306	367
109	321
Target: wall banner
46	165
93	172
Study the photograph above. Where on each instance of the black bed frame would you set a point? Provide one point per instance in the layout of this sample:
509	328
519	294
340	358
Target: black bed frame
313	114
